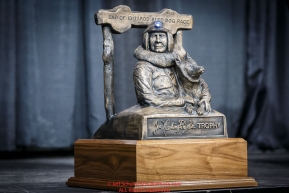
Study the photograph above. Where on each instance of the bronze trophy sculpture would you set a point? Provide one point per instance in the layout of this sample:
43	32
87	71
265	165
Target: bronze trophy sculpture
170	140
173	100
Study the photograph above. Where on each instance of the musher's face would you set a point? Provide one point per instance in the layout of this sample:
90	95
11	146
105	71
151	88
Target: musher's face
158	42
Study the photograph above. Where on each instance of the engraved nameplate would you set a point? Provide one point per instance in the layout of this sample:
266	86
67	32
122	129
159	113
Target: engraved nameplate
185	127
121	19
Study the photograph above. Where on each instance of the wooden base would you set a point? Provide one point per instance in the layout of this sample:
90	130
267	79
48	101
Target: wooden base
160	186
149	165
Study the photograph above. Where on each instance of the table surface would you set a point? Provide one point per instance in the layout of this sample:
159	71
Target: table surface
270	170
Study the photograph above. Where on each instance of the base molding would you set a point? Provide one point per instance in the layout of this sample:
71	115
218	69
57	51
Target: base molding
149	165
160	186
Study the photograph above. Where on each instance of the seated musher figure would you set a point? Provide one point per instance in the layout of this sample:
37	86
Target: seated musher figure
155	78
170	93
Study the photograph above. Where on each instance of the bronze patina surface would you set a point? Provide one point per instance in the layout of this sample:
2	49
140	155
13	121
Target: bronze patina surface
162	123
121	19
173	99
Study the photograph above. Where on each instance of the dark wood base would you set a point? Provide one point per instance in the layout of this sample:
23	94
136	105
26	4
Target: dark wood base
149	165
160	186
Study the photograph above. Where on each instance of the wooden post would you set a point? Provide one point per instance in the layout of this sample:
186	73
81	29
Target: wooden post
108	69
179	44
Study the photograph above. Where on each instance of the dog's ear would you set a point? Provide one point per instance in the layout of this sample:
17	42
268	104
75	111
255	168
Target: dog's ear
188	56
178	61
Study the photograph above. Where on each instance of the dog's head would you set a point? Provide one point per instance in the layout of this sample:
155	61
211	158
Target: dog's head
189	69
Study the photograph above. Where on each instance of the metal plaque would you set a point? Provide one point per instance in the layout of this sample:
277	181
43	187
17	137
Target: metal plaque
185	127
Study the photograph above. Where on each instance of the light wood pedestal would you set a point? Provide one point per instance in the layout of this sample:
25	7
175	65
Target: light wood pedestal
151	165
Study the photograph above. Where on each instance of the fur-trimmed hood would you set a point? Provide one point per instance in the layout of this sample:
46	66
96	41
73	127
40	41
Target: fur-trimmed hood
163	60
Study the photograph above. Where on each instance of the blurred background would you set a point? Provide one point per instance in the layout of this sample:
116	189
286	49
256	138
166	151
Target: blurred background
51	69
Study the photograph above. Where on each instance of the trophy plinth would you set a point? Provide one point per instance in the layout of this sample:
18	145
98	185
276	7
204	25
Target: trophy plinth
174	164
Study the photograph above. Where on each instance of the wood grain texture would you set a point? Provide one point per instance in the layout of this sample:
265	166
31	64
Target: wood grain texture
194	163
191	159
178	185
105	159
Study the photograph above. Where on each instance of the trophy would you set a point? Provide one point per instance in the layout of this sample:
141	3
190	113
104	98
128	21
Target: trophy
172	139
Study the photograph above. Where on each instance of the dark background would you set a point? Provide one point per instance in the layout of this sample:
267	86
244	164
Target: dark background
51	69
